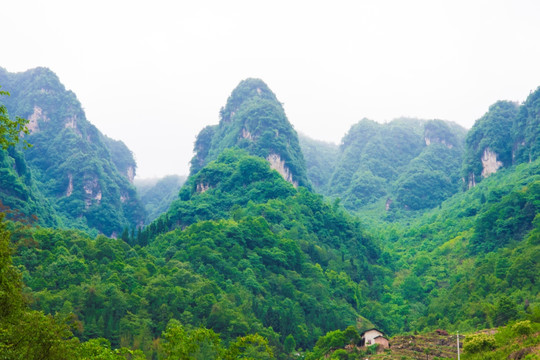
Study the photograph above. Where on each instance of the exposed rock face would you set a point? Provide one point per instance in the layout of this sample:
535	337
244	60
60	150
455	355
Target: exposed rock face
130	174
33	125
279	165
430	141
246	134
201	187
69	190
71	122
388	204
472	181
489	163
92	191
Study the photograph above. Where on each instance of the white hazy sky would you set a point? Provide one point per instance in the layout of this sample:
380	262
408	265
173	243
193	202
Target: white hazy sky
154	73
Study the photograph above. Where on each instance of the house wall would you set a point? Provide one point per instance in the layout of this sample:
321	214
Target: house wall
383	342
370	335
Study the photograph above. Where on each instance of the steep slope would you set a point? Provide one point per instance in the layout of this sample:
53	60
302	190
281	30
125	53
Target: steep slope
253	119
158	194
526	130
19	195
474	262
508	134
71	160
122	157
276	260
321	160
489	142
405	164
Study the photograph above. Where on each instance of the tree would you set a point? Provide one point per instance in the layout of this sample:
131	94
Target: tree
199	343
10	130
290	344
252	346
24	333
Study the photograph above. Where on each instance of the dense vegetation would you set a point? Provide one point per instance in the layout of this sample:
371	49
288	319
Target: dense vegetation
473	263
510	131
157	194
279	266
249	263
71	165
406	164
518	340
320	158
253	119
30	334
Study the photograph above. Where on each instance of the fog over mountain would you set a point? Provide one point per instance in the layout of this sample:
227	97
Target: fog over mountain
153	76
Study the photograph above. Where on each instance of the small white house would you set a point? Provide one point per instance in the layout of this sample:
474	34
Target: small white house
374	336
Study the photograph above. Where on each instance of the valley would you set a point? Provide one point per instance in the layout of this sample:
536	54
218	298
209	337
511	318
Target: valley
275	245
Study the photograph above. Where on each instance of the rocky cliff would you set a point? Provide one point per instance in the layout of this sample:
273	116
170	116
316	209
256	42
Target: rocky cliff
254	120
83	174
508	134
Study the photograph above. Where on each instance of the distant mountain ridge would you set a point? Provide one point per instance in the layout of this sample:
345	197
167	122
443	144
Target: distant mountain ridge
84	175
410	163
157	194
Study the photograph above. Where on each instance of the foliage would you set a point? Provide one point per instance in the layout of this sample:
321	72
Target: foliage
333	344
413	164
254	120
518	340
26	334
526	130
321	159
196	344
121	156
10	130
473	263
479	343
245	265
268	259
509	130
71	165
523	327
157	194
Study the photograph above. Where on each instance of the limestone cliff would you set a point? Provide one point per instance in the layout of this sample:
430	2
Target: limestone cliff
254	120
490	164
85	175
279	165
508	134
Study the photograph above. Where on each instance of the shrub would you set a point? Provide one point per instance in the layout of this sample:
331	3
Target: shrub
522	327
479	342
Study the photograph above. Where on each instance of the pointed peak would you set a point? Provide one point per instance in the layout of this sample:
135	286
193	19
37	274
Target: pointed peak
248	89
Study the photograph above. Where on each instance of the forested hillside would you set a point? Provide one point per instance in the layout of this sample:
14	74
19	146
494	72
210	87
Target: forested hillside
406	164
157	194
506	135
253	119
248	260
321	160
473	263
71	166
281	265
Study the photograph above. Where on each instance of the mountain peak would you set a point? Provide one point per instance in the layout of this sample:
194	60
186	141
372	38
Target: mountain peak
254	120
246	90
85	176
